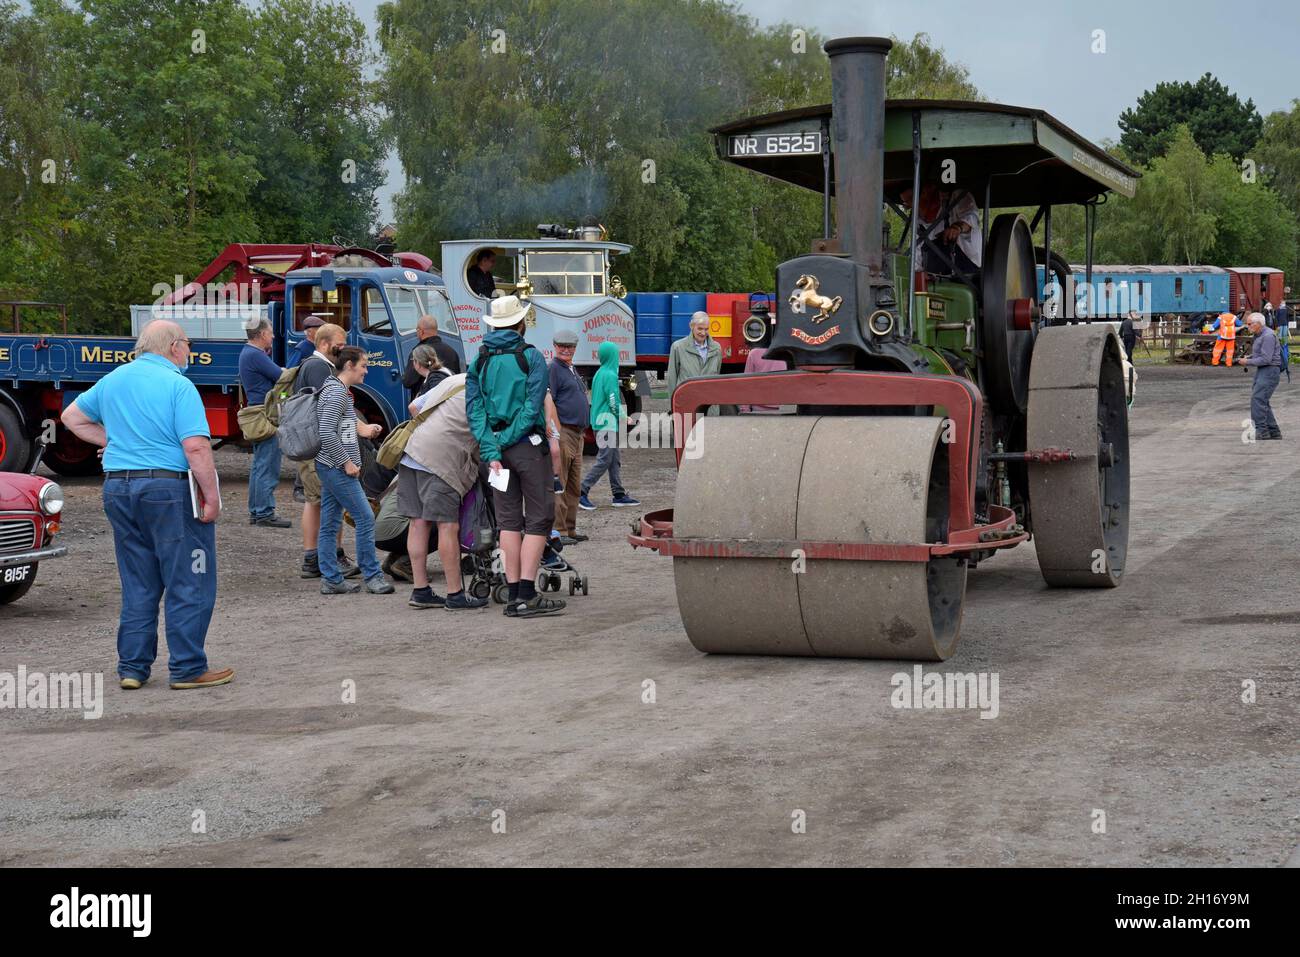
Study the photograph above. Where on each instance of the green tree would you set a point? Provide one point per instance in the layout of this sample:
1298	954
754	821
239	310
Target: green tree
1218	120
569	112
320	152
1278	154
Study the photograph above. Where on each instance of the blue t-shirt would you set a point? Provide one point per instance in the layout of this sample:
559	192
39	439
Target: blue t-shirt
257	373
148	408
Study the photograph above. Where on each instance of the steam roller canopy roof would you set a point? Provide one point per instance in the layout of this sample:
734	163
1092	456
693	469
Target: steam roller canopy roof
1032	157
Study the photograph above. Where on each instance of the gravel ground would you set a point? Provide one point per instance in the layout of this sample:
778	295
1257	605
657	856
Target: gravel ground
474	739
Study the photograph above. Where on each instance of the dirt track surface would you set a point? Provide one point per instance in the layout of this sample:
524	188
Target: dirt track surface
1126	701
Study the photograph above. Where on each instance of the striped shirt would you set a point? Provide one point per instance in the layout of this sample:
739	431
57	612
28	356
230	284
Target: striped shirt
338	426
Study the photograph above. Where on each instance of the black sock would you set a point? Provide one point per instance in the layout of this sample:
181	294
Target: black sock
512	590
453	594
527	590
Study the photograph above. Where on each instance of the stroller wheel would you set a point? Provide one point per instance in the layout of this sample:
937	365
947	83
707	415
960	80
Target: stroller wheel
573	584
467	566
554	581
500	593
543	581
583	586
478	588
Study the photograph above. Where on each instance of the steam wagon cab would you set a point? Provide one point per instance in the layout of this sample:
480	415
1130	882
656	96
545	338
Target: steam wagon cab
942	413
567	281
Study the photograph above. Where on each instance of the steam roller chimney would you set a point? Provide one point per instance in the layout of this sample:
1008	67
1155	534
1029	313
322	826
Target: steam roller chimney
858	128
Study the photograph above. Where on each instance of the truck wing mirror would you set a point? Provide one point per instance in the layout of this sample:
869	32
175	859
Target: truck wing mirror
327	283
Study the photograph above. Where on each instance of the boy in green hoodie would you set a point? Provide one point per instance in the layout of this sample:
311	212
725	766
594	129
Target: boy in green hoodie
607	414
505	401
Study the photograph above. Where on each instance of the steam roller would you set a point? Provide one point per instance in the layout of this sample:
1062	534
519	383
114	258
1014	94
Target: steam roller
941	404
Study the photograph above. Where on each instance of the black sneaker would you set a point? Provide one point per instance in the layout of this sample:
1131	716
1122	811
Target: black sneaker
426	598
464	600
580	538
271	521
624	501
537	605
328	587
310	566
347	567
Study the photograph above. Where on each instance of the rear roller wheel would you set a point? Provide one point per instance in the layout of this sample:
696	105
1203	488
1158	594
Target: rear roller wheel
1079	509
841	479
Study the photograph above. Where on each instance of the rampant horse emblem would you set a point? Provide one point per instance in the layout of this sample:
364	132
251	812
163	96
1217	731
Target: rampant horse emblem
805	294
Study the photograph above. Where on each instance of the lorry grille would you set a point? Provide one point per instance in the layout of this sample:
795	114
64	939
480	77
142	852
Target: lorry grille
17	535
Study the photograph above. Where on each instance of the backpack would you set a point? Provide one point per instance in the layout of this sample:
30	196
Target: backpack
394	447
282	389
487	352
299	427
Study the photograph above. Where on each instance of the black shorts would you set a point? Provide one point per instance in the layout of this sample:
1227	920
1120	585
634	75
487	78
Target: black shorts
528	503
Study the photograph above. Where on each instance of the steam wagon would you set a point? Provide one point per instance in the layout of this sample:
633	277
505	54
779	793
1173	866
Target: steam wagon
940	416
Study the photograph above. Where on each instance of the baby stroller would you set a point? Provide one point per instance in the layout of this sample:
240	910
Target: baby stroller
478	546
554	564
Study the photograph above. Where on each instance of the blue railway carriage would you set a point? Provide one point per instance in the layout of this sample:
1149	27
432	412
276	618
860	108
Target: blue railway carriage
1161	292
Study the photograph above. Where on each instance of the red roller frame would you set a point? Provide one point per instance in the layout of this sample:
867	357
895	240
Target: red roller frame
959	398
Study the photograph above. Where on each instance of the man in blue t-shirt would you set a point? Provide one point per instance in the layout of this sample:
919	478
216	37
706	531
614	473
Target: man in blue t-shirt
149	419
258	374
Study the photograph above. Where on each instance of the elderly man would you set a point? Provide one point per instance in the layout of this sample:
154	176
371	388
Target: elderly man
694	355
1266	358
308	344
569	393
426	330
258	375
149	420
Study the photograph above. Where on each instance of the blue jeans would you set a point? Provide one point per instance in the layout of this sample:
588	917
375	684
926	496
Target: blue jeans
163	554
339	493
1261	413
263	477
607	460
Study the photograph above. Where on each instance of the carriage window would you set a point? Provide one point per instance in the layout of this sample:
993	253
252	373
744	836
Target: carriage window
1200	287
334	306
1178	287
567	273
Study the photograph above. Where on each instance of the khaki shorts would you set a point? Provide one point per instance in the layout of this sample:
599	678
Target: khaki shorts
310	481
425	496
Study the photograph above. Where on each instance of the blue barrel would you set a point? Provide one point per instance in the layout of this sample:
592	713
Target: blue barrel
653	322
685	305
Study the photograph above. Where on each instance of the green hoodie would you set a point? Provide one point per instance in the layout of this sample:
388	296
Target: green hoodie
606	409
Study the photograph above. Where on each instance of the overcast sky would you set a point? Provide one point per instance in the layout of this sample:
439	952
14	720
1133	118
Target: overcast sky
1039	54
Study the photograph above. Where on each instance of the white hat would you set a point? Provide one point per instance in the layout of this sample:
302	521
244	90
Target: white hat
505	312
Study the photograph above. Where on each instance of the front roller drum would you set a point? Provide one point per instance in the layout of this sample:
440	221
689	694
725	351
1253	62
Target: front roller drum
874	479
1079	509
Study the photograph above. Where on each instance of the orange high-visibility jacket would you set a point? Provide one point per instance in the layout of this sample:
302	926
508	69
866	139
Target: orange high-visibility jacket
1228	326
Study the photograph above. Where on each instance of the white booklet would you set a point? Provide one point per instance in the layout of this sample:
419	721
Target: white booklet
196	493
499	480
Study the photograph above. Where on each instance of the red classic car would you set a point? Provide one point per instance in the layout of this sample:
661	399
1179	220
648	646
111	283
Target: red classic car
29	519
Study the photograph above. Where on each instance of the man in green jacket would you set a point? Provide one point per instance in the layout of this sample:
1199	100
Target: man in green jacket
505	399
607	413
694	355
